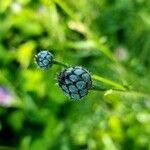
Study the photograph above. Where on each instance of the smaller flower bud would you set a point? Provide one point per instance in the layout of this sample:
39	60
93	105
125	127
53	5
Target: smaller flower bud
44	59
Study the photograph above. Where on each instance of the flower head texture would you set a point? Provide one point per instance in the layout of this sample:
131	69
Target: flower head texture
75	82
44	59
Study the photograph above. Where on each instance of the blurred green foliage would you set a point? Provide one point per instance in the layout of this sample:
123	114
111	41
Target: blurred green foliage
111	38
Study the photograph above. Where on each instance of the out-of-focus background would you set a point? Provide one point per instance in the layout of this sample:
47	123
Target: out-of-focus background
110	38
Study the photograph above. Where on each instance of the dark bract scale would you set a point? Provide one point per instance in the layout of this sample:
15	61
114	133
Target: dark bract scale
44	59
75	82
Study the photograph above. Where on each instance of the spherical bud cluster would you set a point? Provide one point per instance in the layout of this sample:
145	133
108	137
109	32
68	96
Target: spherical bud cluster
75	82
44	59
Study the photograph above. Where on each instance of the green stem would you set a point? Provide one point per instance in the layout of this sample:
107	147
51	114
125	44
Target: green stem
98	88
116	86
60	63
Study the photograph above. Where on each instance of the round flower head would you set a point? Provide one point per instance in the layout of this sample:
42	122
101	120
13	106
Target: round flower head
44	59
75	82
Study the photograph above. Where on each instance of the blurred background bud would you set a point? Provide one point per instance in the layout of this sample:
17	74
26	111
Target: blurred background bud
7	97
121	53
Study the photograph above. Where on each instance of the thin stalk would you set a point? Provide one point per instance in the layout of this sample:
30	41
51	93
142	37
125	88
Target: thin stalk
109	82
117	88
60	63
98	88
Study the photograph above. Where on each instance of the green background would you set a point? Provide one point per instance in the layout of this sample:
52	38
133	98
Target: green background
110	38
